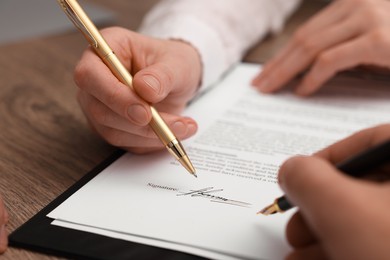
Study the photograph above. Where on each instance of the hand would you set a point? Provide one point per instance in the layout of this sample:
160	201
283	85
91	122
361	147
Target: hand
3	229
346	34
339	217
166	73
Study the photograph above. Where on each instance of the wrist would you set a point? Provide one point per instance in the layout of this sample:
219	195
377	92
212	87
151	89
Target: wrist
192	54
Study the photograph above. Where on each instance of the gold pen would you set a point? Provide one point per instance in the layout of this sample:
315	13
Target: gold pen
80	19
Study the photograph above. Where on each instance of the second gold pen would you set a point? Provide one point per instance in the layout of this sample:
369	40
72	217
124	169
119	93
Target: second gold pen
80	19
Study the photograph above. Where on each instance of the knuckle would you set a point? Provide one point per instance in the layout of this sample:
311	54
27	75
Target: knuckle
380	36
299	37
308	47
306	44
324	60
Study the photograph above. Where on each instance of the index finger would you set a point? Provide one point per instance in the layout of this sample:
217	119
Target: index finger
355	143
95	78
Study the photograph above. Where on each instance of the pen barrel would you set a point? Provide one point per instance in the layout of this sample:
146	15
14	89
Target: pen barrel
160	127
117	68
366	161
77	15
158	124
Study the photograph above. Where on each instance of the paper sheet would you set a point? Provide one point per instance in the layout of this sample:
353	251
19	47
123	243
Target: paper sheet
243	138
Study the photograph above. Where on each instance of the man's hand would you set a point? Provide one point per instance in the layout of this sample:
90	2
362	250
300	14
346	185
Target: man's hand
166	74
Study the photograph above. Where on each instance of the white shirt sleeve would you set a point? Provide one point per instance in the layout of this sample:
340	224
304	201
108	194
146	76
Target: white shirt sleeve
221	30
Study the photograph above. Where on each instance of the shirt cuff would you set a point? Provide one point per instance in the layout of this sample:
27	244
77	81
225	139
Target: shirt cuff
201	36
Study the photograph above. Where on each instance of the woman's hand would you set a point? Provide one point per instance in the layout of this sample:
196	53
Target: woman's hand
344	35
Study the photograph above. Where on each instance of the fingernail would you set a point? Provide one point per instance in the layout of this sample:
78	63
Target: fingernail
179	128
152	82
138	114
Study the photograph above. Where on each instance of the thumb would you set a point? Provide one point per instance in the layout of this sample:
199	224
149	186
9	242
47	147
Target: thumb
154	83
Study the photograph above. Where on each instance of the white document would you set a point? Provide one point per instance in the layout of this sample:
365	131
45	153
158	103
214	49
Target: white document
243	138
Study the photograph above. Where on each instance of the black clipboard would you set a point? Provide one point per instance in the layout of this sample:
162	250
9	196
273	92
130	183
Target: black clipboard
37	234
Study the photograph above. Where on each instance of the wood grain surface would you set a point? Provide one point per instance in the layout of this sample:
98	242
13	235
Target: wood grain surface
45	142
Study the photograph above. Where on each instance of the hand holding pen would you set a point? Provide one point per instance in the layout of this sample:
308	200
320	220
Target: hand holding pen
356	166
118	106
339	217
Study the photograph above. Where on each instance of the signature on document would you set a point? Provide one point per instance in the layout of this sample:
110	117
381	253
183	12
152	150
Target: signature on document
207	193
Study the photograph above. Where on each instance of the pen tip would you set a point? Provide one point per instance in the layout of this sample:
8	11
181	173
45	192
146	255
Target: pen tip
185	161
177	150
269	210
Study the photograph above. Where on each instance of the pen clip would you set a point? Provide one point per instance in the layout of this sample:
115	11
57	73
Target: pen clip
67	8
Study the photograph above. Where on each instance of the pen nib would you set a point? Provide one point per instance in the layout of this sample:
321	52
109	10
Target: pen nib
269	210
177	150
185	161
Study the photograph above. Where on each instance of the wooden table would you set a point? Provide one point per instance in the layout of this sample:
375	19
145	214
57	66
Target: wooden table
45	143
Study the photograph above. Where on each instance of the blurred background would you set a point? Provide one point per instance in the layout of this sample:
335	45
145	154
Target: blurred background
21	19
